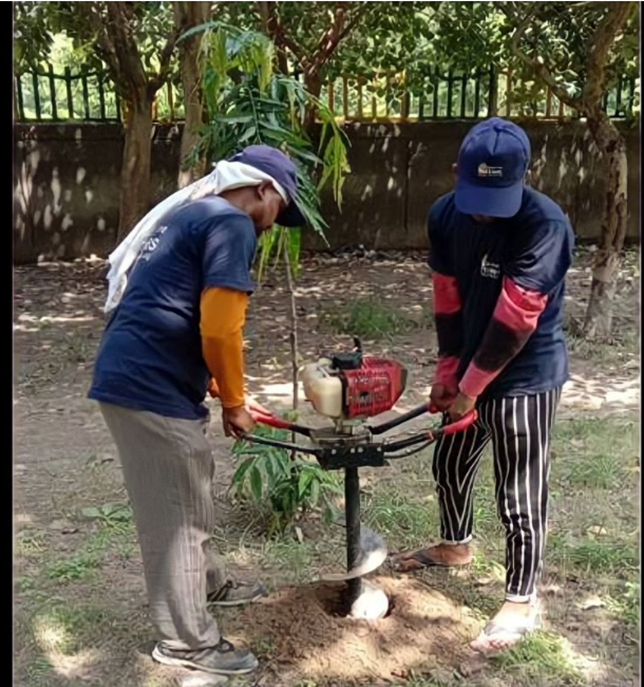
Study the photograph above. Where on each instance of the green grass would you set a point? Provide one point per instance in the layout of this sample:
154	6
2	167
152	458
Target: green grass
57	630
585	439
594	514
291	557
115	530
30	543
593	488
541	659
626	605
62	628
422	681
77	567
540	656
391	512
372	319
39	672
485	566
622	347
603	472
594	454
597	556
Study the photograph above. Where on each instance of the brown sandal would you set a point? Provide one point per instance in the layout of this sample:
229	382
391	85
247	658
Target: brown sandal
419	560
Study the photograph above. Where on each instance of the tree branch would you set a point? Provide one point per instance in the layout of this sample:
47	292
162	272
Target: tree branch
272	27
118	27
600	46
334	35
538	65
104	44
276	31
157	81
286	42
598	53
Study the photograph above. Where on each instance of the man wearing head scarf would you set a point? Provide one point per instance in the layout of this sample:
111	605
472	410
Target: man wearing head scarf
499	253
179	286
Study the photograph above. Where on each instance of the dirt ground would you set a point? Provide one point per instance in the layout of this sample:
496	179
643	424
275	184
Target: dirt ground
80	600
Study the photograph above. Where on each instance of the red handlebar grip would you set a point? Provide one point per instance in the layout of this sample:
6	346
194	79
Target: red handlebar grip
462	424
269	420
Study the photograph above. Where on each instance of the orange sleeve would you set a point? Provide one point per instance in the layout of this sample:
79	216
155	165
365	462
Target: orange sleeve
223	314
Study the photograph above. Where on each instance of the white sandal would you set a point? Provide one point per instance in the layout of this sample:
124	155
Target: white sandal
509	632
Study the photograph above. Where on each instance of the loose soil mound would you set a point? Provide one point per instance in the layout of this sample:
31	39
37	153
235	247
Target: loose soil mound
310	637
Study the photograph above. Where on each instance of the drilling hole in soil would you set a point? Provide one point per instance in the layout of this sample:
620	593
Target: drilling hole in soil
314	640
333	601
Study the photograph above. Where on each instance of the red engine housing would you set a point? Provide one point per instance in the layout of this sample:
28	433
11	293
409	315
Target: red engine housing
373	388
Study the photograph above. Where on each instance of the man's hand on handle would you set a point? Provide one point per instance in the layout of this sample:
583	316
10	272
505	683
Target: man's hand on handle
461	406
237	421
442	396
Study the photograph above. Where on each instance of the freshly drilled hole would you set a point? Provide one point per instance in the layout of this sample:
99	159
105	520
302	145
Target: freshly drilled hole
334	601
392	605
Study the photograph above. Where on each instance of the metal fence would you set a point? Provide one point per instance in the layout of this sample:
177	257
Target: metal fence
85	96
451	95
91	96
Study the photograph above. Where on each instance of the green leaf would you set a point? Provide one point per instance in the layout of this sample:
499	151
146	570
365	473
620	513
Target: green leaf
256	483
269	467
315	493
240	473
90	513
305	480
250	133
233	119
328	514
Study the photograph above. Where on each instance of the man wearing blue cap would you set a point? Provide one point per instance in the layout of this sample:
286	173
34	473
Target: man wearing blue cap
499	253
178	292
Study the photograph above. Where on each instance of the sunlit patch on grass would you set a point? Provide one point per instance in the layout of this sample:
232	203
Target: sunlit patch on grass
542	655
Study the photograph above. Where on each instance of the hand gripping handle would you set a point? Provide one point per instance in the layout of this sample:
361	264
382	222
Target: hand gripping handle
462	424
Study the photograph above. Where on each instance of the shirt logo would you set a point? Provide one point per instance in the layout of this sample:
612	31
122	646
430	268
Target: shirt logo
150	245
486	172
489	269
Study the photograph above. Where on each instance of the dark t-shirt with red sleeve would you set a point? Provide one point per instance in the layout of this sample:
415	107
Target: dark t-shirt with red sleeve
533	249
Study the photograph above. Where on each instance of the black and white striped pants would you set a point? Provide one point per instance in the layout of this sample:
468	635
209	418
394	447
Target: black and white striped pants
519	428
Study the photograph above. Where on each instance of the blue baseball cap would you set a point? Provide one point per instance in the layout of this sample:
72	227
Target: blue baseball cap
276	164
492	164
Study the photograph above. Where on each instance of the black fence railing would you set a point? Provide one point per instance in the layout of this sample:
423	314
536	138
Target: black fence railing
43	96
458	95
87	96
91	96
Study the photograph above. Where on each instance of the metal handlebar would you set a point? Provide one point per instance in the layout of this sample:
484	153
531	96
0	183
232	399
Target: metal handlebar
388	447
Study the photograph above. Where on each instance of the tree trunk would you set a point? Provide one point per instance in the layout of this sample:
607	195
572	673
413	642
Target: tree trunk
188	15
599	315
290	284
135	170
313	84
267	11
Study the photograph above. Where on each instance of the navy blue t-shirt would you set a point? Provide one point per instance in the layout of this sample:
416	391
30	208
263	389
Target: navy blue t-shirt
150	357
534	249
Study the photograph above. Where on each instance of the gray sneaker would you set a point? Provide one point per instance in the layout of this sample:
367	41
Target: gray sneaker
237	594
222	659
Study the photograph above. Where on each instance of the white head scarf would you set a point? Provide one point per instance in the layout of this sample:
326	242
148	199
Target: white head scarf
225	176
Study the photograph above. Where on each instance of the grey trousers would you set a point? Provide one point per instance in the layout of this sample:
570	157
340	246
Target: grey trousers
168	470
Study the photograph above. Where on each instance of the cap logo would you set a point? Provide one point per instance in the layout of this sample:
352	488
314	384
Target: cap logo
486	172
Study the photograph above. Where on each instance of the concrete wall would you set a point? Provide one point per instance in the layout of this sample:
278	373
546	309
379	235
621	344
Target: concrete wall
66	183
398	171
